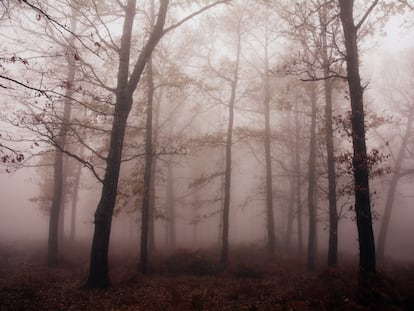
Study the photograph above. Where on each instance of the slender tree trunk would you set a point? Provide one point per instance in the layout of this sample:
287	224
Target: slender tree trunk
61	226
290	215
298	180
367	258
333	213
75	196
57	200
389	203
170	207
267	147
229	141
155	111
145	218
312	184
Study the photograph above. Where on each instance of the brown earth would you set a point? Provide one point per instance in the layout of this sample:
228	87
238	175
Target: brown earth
190	280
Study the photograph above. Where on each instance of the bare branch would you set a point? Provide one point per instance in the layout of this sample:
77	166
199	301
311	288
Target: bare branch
372	6
194	15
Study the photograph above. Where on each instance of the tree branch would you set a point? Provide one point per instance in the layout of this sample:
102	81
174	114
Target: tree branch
372	6
194	15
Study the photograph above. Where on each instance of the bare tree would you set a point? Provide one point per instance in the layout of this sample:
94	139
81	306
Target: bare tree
367	258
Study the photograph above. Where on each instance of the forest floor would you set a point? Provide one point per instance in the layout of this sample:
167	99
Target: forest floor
191	280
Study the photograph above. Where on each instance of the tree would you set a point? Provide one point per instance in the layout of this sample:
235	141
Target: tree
312	181
126	85
398	88
59	176
367	264
327	62
233	81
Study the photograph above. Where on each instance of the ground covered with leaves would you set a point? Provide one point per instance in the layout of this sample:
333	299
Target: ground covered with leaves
189	280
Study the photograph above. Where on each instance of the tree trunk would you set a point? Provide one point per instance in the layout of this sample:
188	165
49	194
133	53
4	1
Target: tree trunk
146	198
267	147
298	180
389	203
58	175
126	85
229	141
75	196
170	204
333	213
367	258
290	215
312	184
98	273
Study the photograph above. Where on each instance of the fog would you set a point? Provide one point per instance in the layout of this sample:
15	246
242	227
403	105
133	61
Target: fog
208	135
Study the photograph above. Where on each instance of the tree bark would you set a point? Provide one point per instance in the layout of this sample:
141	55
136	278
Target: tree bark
298	180
333	213
367	258
146	199
290	215
267	147
170	204
75	195
126	85
312	183
229	142
58	174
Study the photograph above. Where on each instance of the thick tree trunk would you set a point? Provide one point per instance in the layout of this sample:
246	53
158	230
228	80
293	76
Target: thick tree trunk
312	184
98	273
367	263
126	85
58	175
56	207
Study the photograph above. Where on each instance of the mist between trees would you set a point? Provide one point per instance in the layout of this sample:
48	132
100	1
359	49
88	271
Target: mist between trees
151	126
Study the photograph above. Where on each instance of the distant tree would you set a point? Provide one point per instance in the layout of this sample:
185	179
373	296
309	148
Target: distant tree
312	180
232	79
397	87
315	26
59	175
147	210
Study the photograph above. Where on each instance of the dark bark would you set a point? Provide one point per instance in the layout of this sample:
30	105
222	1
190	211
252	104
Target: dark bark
58	174
126	85
396	175
367	258
312	183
